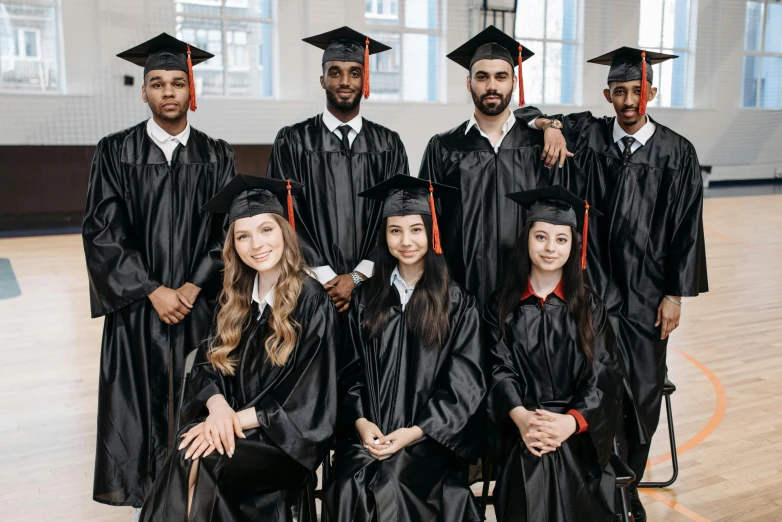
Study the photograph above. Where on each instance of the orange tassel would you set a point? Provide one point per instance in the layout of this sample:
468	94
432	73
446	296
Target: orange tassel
290	207
435	228
190	79
521	82
365	89
584	236
644	85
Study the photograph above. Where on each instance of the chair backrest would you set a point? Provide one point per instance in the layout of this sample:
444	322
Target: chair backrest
189	362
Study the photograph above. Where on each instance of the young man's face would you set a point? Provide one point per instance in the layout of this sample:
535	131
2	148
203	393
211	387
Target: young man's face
342	82
491	84
167	93
625	97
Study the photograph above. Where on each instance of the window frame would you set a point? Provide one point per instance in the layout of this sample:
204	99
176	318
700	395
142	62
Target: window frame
760	54
226	20
401	29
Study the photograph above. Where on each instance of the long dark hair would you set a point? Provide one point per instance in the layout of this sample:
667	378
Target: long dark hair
427	310
576	291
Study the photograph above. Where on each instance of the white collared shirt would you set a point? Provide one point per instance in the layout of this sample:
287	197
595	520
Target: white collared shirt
506	127
332	124
325	273
268	300
405	290
641	136
166	141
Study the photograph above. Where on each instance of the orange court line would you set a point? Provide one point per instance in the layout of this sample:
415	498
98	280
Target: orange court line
659	497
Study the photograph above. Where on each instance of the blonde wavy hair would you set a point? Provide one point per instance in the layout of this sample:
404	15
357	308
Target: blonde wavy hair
236	302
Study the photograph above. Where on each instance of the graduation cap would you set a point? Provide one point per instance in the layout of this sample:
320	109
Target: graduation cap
247	196
164	52
347	45
629	64
558	206
404	195
492	44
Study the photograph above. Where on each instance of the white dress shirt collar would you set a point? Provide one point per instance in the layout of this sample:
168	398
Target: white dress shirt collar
405	290
331	122
641	136
166	141
506	127
267	300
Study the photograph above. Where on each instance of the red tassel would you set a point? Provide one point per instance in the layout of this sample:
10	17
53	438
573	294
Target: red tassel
365	89
435	228
644	86
521	81
190	79
584	236
290	207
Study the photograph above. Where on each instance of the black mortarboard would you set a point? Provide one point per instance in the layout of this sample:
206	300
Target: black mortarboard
629	64
404	195
347	45
247	196
492	44
164	52
558	206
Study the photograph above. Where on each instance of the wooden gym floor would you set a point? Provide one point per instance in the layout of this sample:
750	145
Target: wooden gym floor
725	358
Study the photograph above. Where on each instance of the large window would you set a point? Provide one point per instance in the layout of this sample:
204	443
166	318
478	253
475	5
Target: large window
551	29
29	46
763	55
239	34
665	27
411	70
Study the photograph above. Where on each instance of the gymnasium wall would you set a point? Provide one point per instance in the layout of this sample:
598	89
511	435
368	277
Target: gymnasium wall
738	143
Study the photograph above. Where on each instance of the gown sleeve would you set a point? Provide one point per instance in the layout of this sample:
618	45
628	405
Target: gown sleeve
117	271
573	125
203	382
460	387
598	396
505	388
300	414
431	163
206	272
685	262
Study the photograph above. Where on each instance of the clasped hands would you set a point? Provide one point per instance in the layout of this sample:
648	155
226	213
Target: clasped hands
173	305
218	431
340	288
543	431
382	446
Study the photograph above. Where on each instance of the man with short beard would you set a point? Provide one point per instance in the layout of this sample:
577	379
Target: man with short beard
153	261
336	155
648	251
486	157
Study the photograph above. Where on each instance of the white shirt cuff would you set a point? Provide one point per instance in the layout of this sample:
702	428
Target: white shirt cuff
323	274
365	267
531	124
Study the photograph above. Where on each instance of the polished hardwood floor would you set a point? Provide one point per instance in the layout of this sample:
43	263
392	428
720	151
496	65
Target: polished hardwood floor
726	360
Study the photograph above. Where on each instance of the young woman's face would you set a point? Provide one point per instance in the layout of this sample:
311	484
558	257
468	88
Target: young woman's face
406	238
549	245
259	242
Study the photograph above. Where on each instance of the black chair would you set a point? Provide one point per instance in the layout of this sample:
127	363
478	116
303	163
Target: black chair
624	478
668	389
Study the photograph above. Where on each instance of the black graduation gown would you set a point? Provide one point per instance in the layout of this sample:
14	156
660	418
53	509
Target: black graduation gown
479	225
396	382
143	228
335	226
649	243
296	406
540	364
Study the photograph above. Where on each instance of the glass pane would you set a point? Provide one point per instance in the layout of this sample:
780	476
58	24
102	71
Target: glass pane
553	87
386	69
245	65
678	72
752	26
680	23
554	19
249	8
530	20
650	28
421	14
199	7
749	97
205	34
382	12
532	72
569	67
28	48
773	42
669	23
419	67
771	83
569	19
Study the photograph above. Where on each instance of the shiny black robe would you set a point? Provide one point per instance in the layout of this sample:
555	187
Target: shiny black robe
649	243
479	225
540	364
143	228
335	226
395	382
296	405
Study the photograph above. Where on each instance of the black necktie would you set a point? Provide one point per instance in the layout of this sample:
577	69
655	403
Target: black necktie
627	141
345	130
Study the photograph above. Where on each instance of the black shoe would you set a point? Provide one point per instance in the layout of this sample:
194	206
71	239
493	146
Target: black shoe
639	513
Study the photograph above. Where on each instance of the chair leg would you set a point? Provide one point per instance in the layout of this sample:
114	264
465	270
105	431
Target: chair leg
486	472
627	513
674	456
